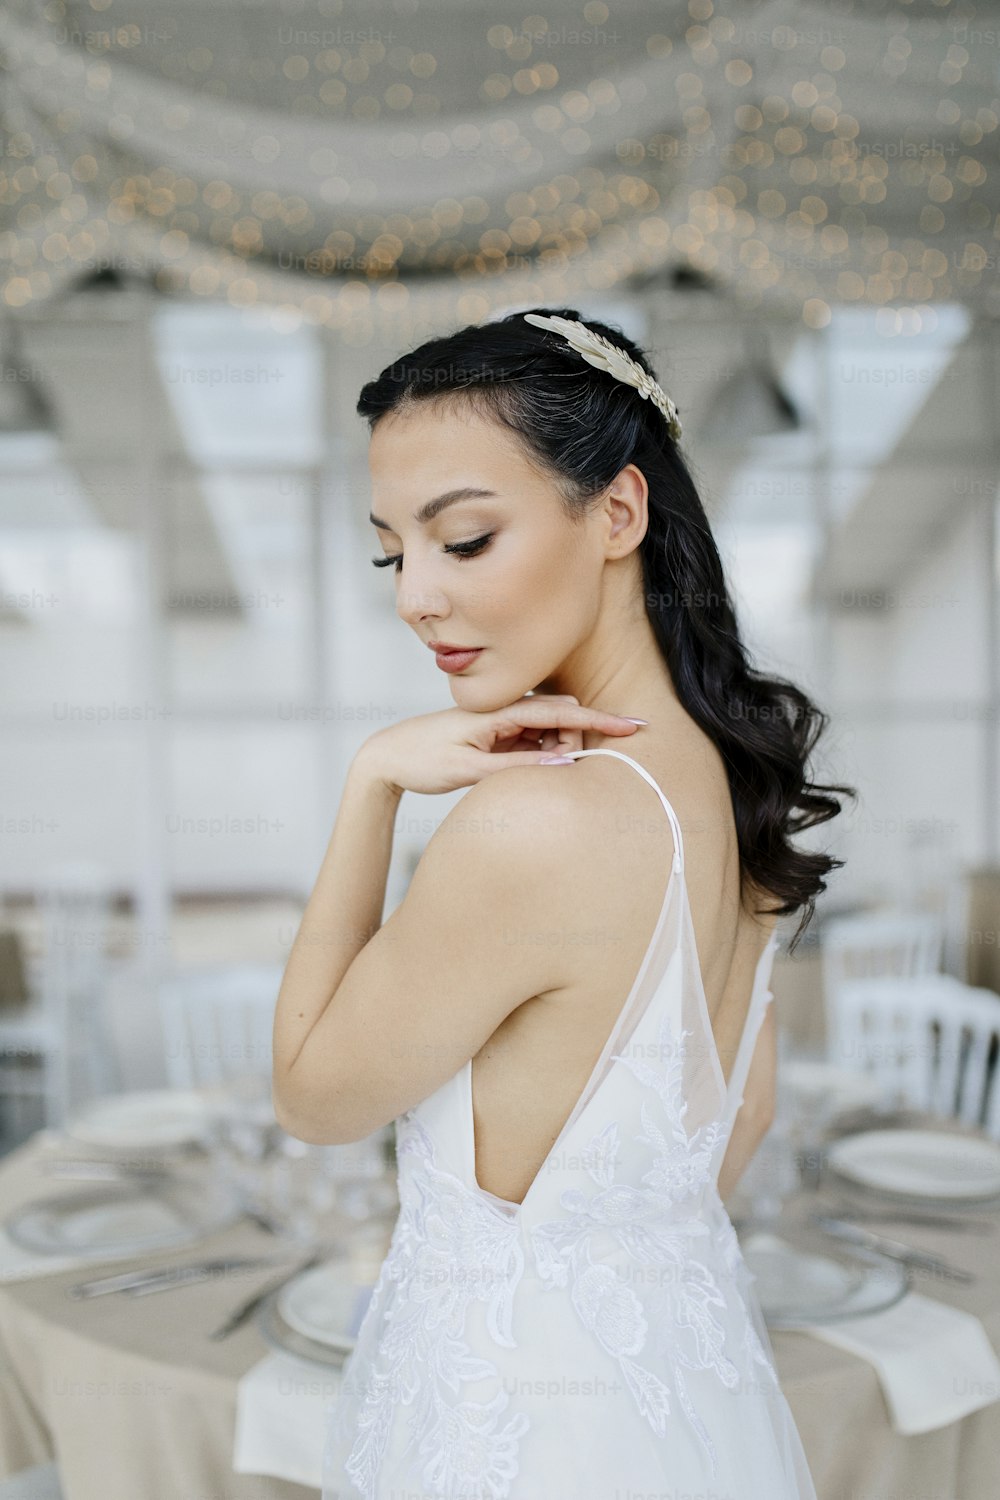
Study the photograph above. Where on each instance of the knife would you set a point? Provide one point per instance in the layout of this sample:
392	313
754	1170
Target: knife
183	1275
915	1216
108	1171
892	1248
243	1311
126	1280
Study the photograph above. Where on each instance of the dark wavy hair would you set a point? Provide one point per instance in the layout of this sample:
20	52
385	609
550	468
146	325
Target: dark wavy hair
583	426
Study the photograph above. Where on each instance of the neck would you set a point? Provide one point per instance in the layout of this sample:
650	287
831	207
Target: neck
631	679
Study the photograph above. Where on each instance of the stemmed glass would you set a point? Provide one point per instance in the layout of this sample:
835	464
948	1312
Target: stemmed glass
243	1134
309	1183
772	1175
294	1186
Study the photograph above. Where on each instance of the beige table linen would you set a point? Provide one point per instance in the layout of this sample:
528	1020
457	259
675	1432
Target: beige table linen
130	1395
136	1401
836	1397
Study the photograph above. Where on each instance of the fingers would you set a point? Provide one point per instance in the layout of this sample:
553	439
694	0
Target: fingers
491	763
560	713
559	741
549	723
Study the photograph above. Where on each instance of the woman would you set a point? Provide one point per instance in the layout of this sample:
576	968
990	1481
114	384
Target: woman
567	1015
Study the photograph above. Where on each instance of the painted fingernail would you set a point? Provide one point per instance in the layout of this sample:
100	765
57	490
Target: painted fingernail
556	760
632	721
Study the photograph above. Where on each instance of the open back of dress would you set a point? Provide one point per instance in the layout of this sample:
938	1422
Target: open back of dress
604	1334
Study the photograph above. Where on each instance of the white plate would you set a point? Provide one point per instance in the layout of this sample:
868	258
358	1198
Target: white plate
106	1220
139	1219
147	1119
325	1304
791	1281
277	1335
920	1163
796	1286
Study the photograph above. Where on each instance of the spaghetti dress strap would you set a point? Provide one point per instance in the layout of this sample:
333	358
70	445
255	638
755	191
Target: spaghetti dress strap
674	820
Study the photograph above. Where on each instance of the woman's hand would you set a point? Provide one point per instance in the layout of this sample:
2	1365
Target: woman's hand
441	752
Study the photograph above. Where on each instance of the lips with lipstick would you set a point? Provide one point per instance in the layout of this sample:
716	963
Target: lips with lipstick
452	658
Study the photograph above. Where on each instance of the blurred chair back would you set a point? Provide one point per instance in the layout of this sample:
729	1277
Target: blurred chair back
878	944
75	904
218	1022
930	1040
63	1028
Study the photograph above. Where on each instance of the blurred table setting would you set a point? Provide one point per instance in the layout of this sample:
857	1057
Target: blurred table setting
872	1232
217	1378
163	1253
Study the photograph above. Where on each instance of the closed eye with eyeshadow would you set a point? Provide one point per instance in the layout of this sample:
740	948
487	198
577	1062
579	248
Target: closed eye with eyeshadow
458	549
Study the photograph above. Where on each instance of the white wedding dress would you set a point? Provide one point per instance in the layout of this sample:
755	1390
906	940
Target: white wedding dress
604	1336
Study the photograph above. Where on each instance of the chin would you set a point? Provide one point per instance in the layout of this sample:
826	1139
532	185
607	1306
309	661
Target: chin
480	703
485	698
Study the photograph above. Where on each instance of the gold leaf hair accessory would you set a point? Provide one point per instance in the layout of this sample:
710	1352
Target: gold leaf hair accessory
604	355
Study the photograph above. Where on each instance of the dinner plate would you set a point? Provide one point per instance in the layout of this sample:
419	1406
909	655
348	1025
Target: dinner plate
325	1304
937	1164
797	1285
146	1119
288	1340
122	1217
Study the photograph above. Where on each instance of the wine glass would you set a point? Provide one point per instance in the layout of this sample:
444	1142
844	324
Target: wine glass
243	1132
770	1178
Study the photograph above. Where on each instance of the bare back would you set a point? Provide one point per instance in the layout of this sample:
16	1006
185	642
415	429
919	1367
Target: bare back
529	1074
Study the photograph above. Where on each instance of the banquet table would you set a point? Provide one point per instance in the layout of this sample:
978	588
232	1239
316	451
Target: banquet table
134	1399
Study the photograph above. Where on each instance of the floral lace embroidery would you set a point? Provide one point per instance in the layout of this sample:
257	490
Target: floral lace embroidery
450	1249
726	1239
654	1224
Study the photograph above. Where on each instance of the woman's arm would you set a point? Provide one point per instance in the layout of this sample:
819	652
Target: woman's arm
341	915
372	1019
756	1113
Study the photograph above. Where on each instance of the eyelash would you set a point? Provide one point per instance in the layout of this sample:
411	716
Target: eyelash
459	549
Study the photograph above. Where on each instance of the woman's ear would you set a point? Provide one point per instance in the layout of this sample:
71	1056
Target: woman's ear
627	505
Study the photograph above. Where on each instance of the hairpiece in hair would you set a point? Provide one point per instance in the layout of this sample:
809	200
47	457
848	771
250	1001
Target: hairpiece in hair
604	355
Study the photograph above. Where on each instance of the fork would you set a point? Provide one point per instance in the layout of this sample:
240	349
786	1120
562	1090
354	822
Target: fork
914	1216
895	1249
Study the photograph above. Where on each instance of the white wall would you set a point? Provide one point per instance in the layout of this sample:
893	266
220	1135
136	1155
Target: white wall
912	691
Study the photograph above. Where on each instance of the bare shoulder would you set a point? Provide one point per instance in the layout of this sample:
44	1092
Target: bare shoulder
589	838
554	835
516	854
582	858
520	812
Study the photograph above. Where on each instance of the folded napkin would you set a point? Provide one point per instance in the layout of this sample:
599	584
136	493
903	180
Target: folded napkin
281	1419
935	1363
283	1403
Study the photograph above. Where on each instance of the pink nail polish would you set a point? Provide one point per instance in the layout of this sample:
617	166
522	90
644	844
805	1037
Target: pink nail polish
634	721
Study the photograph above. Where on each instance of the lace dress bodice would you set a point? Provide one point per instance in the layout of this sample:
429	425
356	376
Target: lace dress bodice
604	1334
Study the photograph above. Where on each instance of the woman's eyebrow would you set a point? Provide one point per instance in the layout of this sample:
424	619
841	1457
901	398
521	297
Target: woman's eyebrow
428	511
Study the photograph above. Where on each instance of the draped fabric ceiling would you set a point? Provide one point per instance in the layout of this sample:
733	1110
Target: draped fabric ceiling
443	158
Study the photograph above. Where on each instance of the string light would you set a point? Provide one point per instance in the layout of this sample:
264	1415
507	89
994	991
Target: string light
779	194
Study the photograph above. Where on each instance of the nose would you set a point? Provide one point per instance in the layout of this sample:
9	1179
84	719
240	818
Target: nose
417	599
